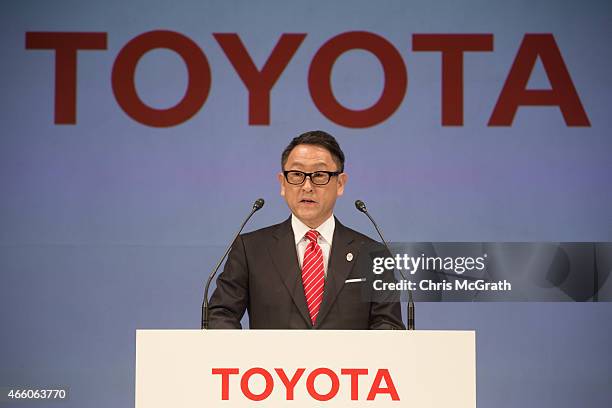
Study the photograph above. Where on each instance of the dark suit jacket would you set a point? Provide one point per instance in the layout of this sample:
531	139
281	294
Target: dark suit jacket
262	275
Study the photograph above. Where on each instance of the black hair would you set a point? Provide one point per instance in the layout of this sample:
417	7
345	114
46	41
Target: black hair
318	138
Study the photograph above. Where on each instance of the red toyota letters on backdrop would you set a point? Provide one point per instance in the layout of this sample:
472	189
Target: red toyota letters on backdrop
259	82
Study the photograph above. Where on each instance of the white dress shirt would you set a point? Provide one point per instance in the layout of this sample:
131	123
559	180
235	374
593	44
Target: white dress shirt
326	235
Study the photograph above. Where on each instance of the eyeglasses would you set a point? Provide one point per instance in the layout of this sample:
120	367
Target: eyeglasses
319	178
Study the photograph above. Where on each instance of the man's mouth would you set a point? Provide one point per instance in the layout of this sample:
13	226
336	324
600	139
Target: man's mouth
307	201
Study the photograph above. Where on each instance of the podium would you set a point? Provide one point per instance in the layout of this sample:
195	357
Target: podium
305	368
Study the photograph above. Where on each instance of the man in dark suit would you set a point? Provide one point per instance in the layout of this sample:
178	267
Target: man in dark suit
309	272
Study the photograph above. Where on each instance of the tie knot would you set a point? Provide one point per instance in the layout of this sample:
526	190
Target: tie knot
312	235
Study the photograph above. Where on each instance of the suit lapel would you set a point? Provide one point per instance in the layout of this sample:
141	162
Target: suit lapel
338	268
285	259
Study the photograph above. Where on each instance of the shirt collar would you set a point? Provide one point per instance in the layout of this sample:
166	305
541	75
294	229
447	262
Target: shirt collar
326	229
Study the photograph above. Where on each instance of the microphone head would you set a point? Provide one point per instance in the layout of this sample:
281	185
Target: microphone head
258	204
360	205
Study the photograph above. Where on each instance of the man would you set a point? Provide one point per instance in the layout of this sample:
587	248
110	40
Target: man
304	273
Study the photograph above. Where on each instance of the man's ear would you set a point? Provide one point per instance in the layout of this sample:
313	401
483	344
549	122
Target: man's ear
342	179
281	180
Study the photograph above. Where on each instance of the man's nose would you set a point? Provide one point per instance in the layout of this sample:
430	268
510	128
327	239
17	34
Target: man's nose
307	185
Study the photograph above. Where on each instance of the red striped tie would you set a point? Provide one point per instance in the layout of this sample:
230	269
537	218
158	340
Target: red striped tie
313	275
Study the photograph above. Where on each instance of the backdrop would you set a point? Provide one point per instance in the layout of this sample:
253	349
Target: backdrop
137	134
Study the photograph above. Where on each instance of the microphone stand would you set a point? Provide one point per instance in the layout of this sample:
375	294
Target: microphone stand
360	205
204	322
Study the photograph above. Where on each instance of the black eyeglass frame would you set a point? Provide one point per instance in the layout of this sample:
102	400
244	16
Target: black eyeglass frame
309	175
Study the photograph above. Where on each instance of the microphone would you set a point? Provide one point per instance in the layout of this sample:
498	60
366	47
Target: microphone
257	205
360	205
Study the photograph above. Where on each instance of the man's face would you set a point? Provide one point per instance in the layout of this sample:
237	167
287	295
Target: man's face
311	203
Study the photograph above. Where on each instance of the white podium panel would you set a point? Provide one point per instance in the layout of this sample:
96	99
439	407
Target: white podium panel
305	368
